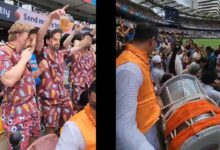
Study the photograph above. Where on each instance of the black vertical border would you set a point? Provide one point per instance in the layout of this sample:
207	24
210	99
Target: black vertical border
106	18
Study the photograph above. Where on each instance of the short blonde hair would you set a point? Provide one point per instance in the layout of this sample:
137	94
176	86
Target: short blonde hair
17	28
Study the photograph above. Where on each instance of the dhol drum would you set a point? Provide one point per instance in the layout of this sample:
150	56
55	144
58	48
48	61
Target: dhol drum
3	138
179	90
190	118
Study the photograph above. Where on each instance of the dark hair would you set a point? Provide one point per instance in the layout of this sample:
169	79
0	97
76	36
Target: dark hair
209	49
88	33
84	98
92	87
172	60
165	77
145	31
203	60
33	31
46	37
209	77
188	54
51	34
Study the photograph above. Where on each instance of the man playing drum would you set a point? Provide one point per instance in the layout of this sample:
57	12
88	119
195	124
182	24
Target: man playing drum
137	109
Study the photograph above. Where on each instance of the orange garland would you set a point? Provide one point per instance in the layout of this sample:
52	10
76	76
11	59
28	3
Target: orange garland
190	131
186	112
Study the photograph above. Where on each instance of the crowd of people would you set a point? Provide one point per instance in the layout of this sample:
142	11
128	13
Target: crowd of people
195	23
168	31
48	78
143	64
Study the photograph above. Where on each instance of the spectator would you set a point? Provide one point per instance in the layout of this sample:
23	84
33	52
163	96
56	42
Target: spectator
208	79
174	62
157	70
211	58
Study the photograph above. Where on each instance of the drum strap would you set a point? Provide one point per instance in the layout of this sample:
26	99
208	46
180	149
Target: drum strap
187	112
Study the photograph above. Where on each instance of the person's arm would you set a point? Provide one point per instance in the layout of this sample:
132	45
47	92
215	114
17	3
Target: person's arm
43	30
71	138
10	75
68	40
81	45
36	74
127	31
128	81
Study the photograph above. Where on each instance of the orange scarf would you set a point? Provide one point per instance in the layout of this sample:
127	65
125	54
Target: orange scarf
87	125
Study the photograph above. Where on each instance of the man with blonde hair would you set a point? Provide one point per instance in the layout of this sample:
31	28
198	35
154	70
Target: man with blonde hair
19	108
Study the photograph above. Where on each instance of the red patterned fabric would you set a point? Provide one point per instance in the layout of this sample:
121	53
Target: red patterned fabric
56	104
28	125
56	111
22	92
82	72
52	80
19	108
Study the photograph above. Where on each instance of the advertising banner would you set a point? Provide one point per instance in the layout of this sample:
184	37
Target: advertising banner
7	12
12	13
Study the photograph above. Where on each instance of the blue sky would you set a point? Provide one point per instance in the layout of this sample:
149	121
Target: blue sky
187	3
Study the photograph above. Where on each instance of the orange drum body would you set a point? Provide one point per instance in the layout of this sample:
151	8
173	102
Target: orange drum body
191	120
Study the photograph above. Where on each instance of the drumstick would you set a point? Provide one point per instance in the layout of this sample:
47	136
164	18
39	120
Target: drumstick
66	6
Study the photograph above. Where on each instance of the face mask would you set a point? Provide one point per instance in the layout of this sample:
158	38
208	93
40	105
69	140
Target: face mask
93	105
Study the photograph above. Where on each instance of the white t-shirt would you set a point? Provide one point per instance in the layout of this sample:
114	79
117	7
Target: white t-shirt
71	138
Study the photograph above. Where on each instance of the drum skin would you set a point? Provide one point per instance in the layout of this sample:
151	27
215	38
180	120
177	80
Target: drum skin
180	89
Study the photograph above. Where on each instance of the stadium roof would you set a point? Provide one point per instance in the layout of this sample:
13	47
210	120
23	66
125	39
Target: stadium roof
78	8
196	8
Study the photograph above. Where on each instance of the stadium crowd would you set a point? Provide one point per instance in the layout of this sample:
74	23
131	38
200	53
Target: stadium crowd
48	79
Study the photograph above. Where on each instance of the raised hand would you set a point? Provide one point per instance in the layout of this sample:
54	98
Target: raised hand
43	66
26	54
56	14
78	29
